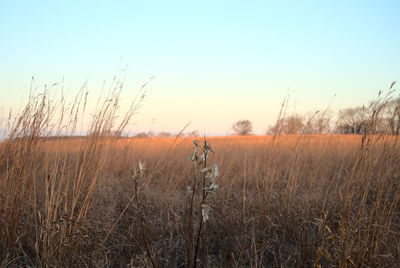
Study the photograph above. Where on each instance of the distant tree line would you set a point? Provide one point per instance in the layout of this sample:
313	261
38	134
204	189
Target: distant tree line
164	134
374	118
379	116
311	123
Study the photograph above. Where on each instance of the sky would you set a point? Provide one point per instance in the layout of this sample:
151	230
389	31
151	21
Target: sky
214	62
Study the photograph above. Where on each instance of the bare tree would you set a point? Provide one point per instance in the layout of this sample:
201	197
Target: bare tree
243	127
353	120
292	124
391	118
318	122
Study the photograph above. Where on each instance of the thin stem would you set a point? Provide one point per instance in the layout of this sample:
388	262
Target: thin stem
202	202
189	238
197	243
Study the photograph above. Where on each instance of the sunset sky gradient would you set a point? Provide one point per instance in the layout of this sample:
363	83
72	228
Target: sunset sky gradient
214	62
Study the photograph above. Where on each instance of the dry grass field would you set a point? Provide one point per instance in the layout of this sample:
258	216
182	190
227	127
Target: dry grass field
250	201
199	134
282	201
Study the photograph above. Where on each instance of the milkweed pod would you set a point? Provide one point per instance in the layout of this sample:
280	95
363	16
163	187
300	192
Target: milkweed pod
205	211
206	169
214	187
214	173
194	157
215	170
208	147
141	168
202	159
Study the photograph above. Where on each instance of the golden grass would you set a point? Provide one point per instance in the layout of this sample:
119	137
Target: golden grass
283	201
295	200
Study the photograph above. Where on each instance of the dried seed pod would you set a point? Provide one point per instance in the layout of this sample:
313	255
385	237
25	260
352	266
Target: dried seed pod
214	173
205	211
141	168
213	187
201	160
208	147
206	169
194	156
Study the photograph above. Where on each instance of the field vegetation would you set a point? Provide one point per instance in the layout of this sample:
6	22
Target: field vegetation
107	201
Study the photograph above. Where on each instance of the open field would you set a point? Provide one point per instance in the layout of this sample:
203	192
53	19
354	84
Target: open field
288	200
191	134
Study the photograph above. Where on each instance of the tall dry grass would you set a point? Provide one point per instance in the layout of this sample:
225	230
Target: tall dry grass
290	200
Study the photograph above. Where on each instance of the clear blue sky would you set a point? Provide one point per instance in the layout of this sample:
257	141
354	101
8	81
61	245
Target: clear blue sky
215	62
